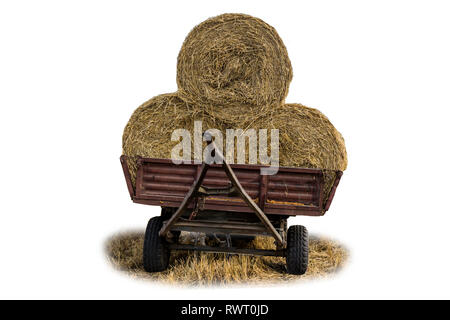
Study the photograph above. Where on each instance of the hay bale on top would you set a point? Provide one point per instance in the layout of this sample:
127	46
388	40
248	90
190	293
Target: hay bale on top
233	59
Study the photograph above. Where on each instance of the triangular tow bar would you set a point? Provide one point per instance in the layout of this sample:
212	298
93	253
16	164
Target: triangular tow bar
197	190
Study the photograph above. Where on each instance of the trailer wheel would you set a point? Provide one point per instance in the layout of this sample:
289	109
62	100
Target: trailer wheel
156	253
297	250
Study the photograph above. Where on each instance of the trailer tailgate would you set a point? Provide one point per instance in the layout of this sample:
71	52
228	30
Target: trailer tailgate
292	191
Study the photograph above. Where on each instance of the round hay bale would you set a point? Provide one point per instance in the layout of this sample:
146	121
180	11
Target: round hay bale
233	59
148	132
307	138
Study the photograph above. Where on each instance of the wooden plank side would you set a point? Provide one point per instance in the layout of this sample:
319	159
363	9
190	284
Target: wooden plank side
292	181
126	172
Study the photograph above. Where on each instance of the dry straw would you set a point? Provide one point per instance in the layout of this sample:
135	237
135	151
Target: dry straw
149	131
200	268
234	59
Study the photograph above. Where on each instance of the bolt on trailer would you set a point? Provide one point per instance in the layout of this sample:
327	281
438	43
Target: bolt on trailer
227	201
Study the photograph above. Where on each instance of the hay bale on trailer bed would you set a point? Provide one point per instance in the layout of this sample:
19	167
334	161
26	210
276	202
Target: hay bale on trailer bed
307	137
234	59
148	132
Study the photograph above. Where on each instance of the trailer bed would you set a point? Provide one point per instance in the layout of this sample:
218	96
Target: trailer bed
290	192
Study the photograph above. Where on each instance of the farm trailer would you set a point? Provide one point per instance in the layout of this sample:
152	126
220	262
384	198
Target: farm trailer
228	201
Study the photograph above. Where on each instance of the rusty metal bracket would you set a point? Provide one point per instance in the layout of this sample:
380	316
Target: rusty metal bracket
230	250
235	187
189	197
333	190
126	172
230	190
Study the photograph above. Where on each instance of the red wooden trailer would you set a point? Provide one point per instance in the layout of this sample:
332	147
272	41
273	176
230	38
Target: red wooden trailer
228	201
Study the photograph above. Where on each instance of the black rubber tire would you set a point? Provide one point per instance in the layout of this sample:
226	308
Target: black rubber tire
166	213
156	253
297	250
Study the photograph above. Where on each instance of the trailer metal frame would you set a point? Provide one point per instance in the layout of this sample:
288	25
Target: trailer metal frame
196	211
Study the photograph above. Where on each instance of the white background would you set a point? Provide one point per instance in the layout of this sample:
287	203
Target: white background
71	74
